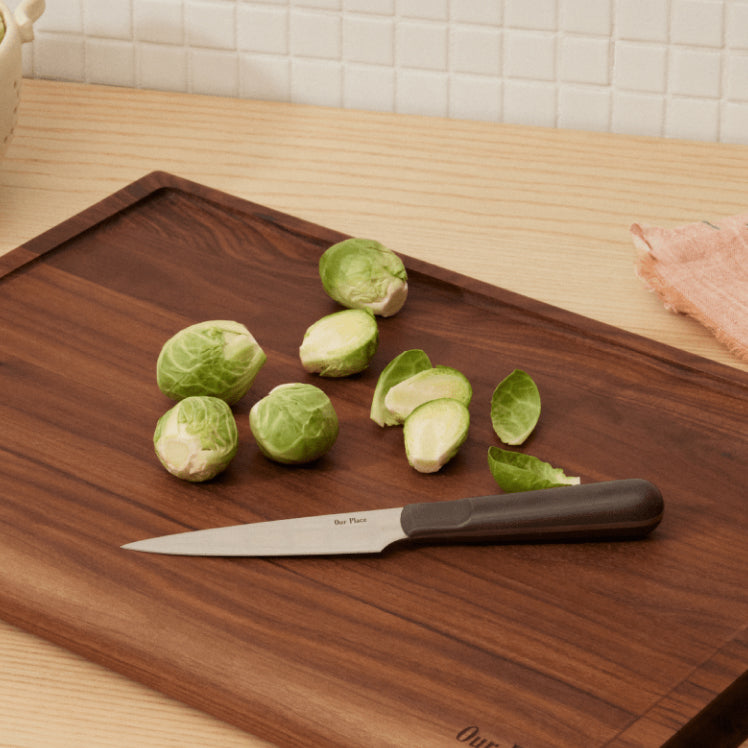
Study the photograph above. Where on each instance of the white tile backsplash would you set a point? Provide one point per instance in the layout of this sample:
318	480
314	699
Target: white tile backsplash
695	72
315	34
369	39
698	22
110	62
531	14
586	17
585	59
640	66
421	45
673	68
262	28
108	20
209	24
158	21
642	20
475	49
530	54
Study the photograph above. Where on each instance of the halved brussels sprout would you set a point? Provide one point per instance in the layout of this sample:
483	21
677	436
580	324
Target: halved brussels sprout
364	274
399	369
294	423
430	384
434	432
197	438
219	358
340	344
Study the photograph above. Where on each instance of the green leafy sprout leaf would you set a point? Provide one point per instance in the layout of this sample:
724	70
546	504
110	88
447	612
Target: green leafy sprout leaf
515	407
515	471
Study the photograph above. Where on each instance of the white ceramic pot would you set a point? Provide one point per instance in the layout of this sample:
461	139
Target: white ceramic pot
19	28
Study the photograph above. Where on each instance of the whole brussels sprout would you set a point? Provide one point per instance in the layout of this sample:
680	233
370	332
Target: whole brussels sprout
197	438
294	423
364	274
219	358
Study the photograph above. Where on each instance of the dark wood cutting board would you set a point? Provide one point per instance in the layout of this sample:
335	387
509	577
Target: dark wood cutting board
586	644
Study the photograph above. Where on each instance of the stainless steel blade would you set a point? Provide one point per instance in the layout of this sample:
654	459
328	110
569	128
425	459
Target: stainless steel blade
354	532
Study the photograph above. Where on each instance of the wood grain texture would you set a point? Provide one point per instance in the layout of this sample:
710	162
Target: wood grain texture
539	211
537	645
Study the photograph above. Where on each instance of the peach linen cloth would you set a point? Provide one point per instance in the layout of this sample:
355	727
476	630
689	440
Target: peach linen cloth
701	270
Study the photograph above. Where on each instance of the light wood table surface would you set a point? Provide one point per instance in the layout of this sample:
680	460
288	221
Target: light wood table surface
541	212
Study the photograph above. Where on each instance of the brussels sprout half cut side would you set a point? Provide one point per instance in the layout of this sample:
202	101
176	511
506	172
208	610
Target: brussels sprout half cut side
340	344
219	358
364	274
430	384
294	423
197	438
434	432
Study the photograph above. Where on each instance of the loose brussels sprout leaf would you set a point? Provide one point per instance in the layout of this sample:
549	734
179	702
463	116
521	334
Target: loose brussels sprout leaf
399	369
197	438
2	28
340	344
218	358
515	407
430	384
294	423
362	273
434	432
514	471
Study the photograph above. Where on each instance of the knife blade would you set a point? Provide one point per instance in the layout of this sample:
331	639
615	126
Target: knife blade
613	510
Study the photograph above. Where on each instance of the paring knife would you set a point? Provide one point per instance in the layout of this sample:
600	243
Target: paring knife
621	509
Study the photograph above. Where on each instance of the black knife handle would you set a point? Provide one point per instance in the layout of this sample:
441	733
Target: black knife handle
619	509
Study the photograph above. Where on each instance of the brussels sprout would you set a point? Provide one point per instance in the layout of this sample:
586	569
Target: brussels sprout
430	384
197	438
362	273
294	423
340	344
218	358
400	368
515	407
434	432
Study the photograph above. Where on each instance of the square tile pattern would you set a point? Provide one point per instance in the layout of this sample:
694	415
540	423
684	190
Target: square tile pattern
673	68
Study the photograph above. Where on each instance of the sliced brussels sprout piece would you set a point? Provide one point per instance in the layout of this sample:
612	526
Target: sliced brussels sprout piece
399	369
515	471
515	407
219	358
197	438
434	432
364	274
430	384
340	344
294	423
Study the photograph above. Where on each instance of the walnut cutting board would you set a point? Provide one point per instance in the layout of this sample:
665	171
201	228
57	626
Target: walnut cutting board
588	644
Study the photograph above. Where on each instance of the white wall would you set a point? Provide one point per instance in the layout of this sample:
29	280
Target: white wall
677	68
